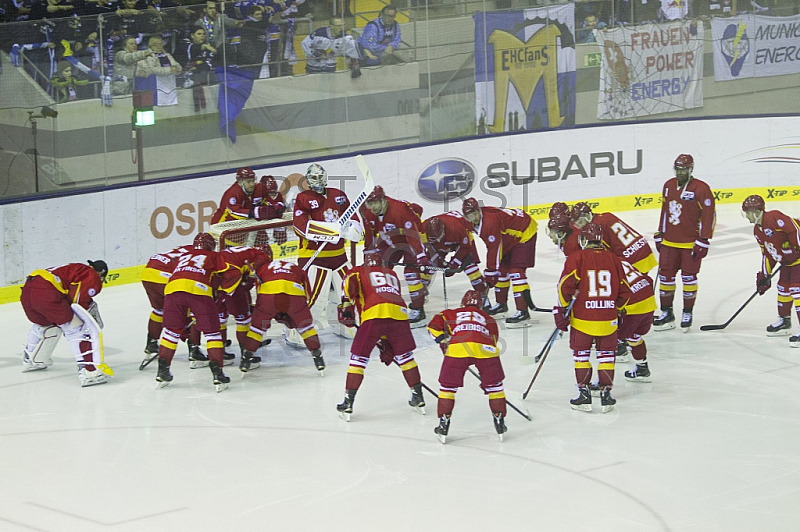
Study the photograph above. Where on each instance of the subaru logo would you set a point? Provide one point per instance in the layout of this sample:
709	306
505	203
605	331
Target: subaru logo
446	180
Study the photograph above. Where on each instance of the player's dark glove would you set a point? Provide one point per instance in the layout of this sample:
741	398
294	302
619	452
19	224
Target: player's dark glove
386	351
763	283
452	267
561	318
346	315
491	276
443	340
700	249
423	262
657	239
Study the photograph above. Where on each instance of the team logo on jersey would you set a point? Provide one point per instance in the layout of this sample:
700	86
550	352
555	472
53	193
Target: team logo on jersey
389	227
780	223
446	180
491	238
298	213
331	215
340	200
409	225
768	232
92	292
707	202
232	201
687	195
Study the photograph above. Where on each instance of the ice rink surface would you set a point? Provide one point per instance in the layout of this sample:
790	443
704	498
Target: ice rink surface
713	443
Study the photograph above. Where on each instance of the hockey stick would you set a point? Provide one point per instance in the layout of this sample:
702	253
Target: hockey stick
509	403
443	269
723	325
542	356
529	301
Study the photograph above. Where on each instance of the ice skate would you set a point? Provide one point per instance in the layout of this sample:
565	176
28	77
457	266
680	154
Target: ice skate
443	428
150	352
665	321
794	341
248	362
416	317
499	424
197	359
319	362
584	400
221	381
417	401
595	389
519	320
91	378
639	373
606	401
782	327
163	377
622	351
496	309
30	365
228	358
345	408
686	321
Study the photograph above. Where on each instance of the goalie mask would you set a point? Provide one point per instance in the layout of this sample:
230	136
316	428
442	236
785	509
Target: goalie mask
581	214
472	211
204	241
753	208
591	236
376	201
684	165
317	178
100	267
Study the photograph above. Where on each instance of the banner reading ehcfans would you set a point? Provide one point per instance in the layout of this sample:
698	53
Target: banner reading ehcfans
752	46
650	69
525	69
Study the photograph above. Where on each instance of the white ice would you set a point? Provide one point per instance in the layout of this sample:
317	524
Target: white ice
710	444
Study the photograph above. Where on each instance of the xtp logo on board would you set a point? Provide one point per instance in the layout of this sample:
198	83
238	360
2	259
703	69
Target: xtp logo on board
446	180
775	193
720	196
642	201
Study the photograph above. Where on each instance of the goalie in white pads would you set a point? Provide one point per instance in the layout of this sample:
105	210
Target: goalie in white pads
60	300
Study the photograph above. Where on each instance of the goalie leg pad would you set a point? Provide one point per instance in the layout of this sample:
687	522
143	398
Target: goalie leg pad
85	338
38	353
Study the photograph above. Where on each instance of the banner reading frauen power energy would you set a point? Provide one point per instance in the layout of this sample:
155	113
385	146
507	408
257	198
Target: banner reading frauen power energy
650	69
525	69
752	46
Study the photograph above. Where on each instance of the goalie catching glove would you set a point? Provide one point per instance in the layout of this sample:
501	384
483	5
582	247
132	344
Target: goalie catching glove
346	314
763	283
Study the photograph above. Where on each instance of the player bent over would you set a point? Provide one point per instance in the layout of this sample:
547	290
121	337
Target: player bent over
60	300
467	337
635	322
451	233
779	238
686	226
283	294
190	290
374	291
595	279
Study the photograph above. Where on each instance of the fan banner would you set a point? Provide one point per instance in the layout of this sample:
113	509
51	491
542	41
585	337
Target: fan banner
754	46
650	69
525	69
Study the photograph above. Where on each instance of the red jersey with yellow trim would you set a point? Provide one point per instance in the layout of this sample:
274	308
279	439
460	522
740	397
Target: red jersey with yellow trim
597	281
472	332
283	277
779	238
625	242
398	228
241	257
571	243
457	237
375	291
687	213
643	298
310	205
261	196
159	268
501	230
194	273
79	282
234	205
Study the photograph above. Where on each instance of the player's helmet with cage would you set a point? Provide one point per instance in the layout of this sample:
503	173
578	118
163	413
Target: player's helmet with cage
269	183
266	249
376	201
753	208
581	214
559	228
204	241
435	230
472	211
373	260
100	267
317	178
684	165
558	209
590	234
472	298
265	257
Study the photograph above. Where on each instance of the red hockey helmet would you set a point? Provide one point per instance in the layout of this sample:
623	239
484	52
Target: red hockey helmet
204	241
373	259
376	201
685	161
472	210
434	229
592	233
754	203
266	249
245	173
558	209
558	228
580	210
377	194
472	298
269	183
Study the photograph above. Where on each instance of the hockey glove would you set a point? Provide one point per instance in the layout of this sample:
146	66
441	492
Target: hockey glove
423	262
763	283
346	315
265	212
386	351
444	341
492	276
657	240
561	318
452	267
700	249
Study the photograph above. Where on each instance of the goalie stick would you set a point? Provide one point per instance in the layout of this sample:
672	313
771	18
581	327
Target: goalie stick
542	356
749	299
354	206
509	403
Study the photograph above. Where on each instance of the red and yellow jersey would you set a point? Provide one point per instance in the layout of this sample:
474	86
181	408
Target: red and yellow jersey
234	205
687	213
501	230
159	268
597	281
571	243
457	237
472	332
625	242
398	228
262	197
779	238
643	298
79	282
283	277
375	291
328	207
195	273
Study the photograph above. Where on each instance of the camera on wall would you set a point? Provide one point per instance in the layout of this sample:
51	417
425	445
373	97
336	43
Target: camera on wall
45	112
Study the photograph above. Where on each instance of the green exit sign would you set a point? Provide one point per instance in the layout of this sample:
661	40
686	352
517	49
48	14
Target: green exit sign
592	60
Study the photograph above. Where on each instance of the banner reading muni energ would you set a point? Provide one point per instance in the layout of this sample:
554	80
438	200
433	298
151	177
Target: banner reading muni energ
752	46
525	69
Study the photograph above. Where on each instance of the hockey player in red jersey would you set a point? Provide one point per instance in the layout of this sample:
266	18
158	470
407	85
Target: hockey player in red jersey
468	336
685	228
451	234
322	203
269	203
563	234
237	201
191	289
635	322
778	235
510	238
60	300
595	279
283	293
374	291
392	230
618	237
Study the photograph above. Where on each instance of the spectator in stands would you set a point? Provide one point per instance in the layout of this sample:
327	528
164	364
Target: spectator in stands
253	50
324	45
164	67
60	8
65	85
200	59
125	62
381	38
215	24
586	31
